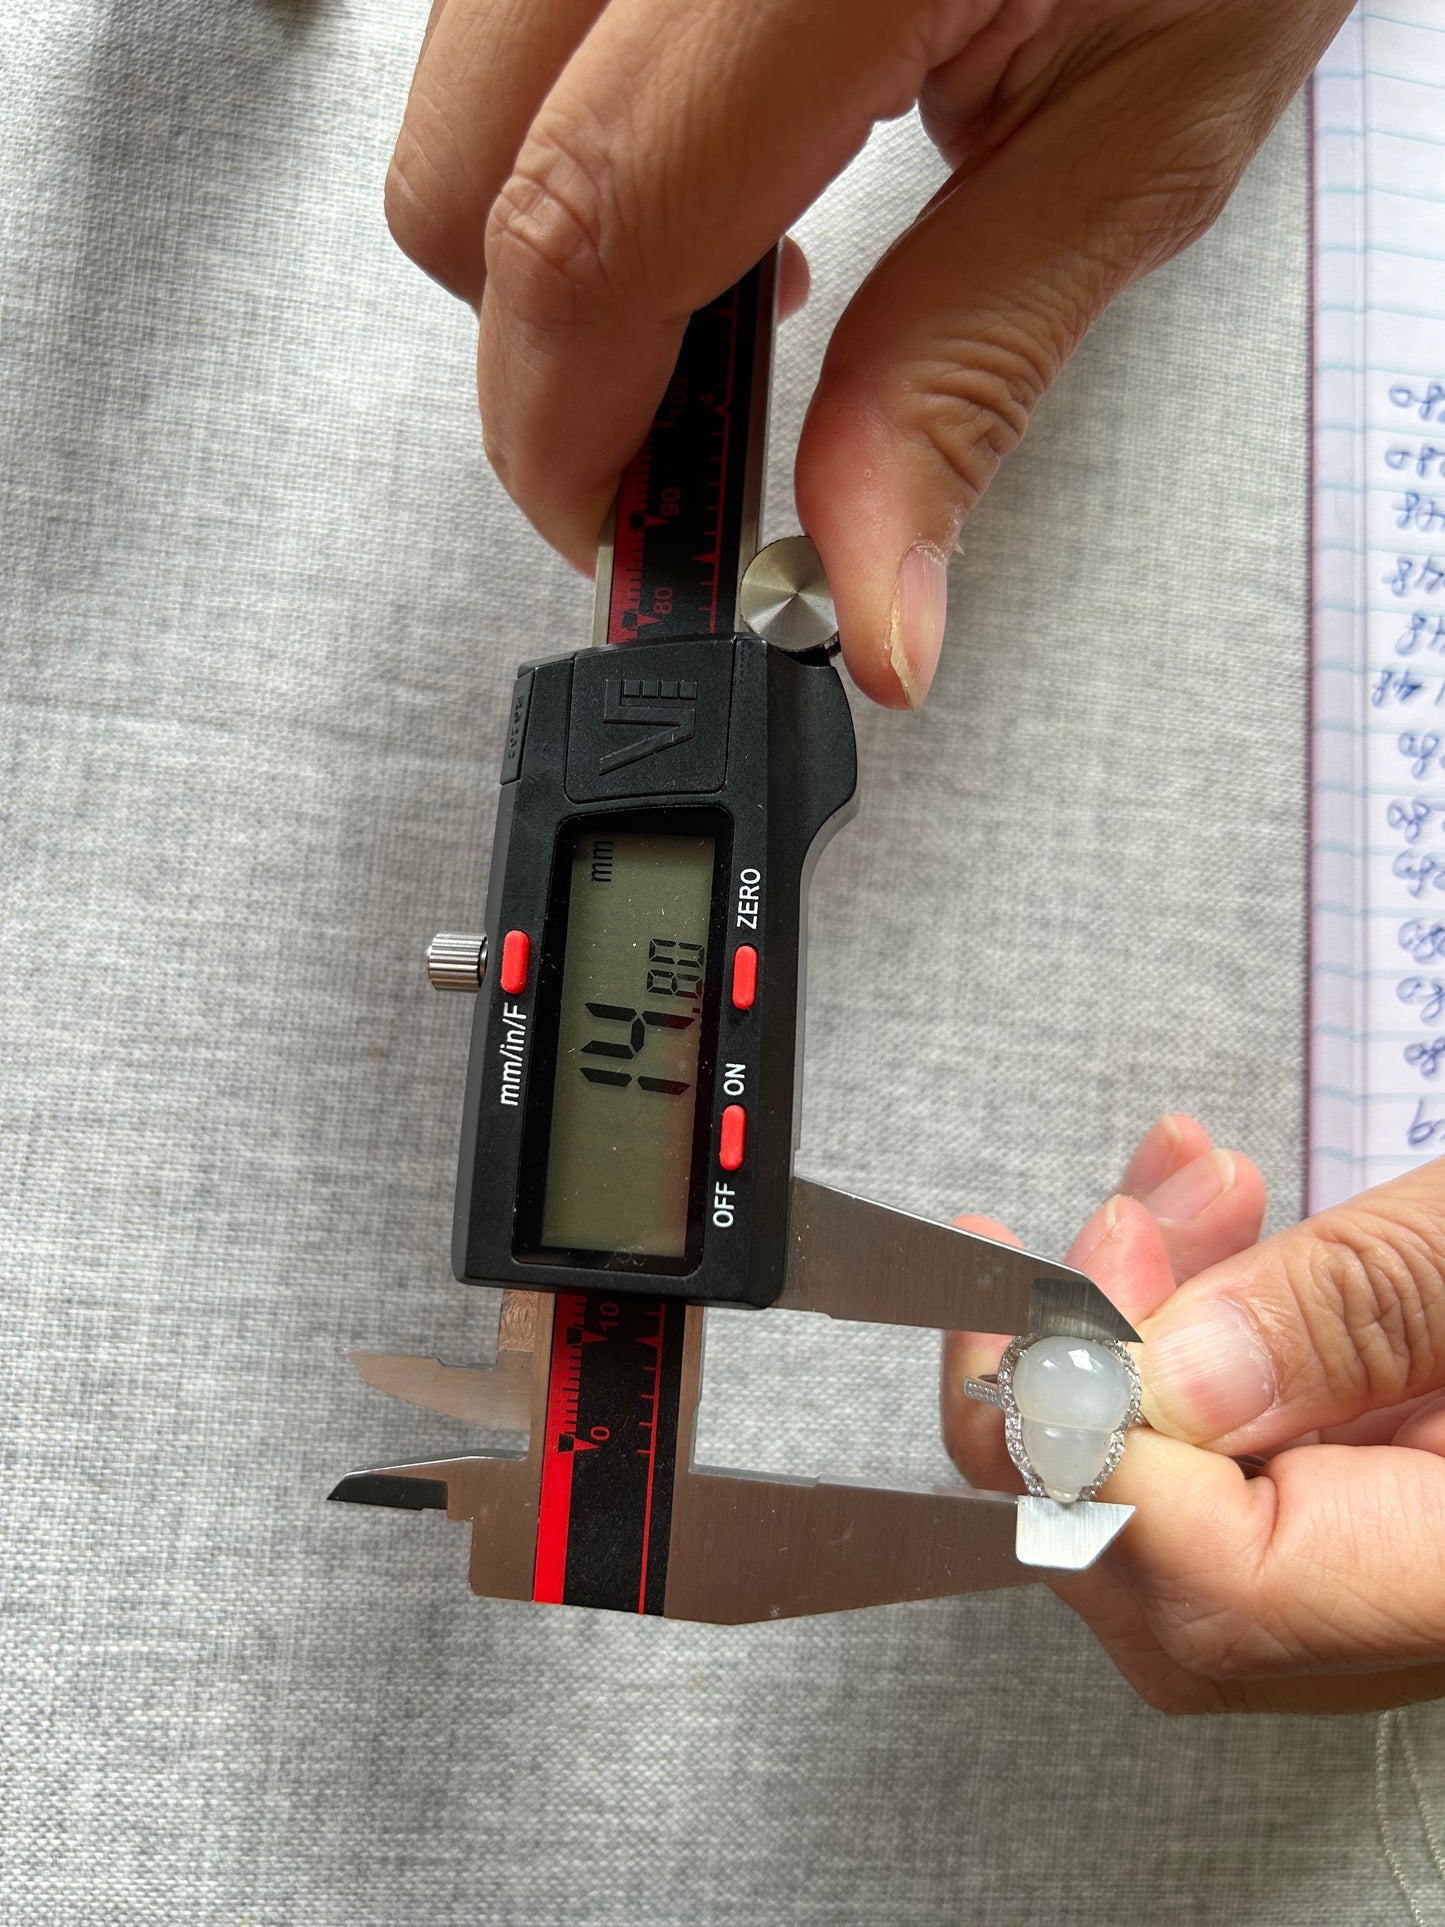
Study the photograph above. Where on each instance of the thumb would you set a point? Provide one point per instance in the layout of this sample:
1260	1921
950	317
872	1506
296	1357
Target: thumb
1340	1316
1126	156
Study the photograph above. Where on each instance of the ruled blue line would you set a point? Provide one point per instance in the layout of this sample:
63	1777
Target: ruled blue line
1418	485
1421	1036
1372	19
1398	912
1378	73
1367	976
1381	133
1370	607
1405	314
1378	247
1424	795
1376	1157
1395	193
1329	846
1374	367
1427	550
1424	1095
1395	728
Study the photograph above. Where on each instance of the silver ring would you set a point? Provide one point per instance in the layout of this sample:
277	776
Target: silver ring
985	1390
997	1389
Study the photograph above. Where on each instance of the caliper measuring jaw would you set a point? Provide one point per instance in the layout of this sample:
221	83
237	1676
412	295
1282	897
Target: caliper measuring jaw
745	1547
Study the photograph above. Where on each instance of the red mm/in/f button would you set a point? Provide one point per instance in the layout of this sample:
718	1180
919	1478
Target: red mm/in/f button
516	960
733	1141
745	976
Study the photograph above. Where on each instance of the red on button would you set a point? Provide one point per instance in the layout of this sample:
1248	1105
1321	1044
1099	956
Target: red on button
734	1137
745	976
516	960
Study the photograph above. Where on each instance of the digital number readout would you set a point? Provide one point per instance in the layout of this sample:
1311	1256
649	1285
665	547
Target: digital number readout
624	1099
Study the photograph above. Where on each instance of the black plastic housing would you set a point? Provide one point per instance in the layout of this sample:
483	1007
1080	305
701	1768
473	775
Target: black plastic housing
755	745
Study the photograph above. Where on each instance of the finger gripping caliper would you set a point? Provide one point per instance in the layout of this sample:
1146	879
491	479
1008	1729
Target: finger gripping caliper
632	1100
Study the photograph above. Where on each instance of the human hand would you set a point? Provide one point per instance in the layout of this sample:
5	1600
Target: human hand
587	173
1317	1585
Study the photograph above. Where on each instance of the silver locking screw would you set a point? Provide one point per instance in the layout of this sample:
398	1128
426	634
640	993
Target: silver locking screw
455	962
784	597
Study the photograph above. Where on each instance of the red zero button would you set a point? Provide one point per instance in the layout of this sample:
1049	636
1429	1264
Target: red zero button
745	976
516	958
734	1137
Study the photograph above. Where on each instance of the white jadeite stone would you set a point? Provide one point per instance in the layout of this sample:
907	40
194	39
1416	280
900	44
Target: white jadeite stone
1065	1457
1071	1381
1071	1396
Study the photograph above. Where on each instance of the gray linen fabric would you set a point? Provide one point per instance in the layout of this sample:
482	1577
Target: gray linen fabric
261	603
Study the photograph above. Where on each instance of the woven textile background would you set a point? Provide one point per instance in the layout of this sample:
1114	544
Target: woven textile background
261	603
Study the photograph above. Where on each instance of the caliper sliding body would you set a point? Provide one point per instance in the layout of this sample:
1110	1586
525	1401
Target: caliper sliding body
633	1089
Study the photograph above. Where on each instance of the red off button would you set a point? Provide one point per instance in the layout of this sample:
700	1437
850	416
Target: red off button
733	1141
516	961
745	976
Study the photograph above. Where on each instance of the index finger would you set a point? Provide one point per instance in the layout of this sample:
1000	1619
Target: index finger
481	74
676	146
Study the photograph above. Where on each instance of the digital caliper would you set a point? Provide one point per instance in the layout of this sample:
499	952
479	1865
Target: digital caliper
633	1091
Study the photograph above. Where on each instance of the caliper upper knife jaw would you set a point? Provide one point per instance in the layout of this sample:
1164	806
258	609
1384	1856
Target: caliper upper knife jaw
496	1493
852	1259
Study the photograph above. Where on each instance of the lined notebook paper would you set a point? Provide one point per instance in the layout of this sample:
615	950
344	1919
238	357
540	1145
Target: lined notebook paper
1377	939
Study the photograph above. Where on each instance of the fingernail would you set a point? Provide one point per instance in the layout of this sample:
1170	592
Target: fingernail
1146	1157
920	604
1204	1369
1184	1196
1096	1231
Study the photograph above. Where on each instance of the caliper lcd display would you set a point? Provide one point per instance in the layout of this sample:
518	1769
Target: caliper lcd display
630	1023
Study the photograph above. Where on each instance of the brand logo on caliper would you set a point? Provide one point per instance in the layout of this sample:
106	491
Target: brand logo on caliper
670	704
